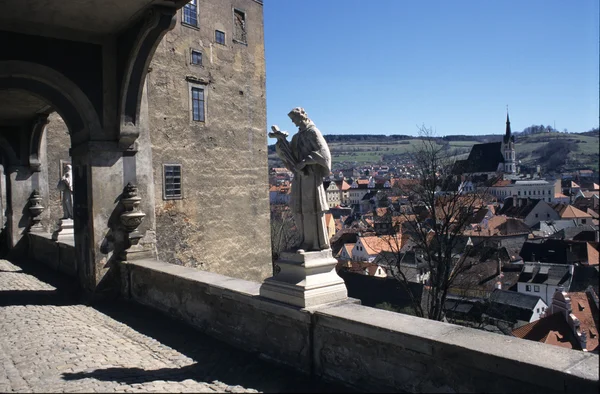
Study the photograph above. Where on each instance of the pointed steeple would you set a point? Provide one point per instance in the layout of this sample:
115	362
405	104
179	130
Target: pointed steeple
508	135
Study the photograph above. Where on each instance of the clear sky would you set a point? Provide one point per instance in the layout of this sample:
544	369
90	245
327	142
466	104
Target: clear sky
386	66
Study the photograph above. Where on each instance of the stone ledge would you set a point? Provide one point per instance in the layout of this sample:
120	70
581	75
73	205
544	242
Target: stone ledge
362	347
535	363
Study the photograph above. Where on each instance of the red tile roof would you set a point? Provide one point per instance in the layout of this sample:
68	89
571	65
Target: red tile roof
553	330
581	306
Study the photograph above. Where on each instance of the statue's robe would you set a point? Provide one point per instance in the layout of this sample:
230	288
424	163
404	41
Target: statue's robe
308	194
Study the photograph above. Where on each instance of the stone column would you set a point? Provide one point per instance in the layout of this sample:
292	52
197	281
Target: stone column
20	184
97	185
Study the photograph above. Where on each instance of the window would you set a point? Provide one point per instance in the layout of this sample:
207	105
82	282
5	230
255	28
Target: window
239	26
536	289
519	192
219	37
190	13
583	221
528	288
196	57
172	181
537	310
197	104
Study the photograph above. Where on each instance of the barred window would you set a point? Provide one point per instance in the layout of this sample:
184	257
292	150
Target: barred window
190	13
239	26
172	181
219	37
196	57
198	104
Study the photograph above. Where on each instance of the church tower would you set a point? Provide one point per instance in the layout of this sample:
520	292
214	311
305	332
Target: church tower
508	149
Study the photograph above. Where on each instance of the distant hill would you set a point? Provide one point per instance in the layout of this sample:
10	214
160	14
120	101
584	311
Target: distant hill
555	152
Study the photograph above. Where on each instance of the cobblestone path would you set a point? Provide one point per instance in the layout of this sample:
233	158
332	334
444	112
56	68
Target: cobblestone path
51	343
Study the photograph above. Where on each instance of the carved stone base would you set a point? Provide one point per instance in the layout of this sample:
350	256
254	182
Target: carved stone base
138	252
65	232
305	279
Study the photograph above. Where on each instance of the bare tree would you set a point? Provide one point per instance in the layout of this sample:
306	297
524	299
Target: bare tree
436	214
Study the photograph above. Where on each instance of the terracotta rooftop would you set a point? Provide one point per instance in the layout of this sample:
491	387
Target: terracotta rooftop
581	308
553	330
348	248
570	212
374	245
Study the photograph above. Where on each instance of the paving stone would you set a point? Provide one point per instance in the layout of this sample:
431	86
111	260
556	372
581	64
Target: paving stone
59	345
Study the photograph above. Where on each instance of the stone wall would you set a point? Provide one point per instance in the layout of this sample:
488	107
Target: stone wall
364	348
222	222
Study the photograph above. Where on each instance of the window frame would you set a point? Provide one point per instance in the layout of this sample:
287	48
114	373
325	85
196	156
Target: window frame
183	9
536	288
234	10
164	182
528	288
191	87
224	43
192	51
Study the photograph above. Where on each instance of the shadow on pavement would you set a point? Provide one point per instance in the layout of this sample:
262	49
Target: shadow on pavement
214	360
34	297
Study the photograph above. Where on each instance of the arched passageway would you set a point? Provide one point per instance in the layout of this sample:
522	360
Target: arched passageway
94	80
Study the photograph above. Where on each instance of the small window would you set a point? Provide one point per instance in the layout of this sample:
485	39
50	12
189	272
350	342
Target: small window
196	57
172	181
537	310
190	13
583	221
536	215
198	104
219	37
536	289
519	192
528	288
239	26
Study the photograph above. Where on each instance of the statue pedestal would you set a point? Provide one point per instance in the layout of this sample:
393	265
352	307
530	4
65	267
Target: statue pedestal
305	279
65	232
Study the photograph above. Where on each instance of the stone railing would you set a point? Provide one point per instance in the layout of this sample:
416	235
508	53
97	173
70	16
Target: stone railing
364	348
58	255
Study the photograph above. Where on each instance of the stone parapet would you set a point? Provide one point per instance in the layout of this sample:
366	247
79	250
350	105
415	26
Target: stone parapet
364	348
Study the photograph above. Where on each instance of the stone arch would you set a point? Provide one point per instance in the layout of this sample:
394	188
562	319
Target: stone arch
60	92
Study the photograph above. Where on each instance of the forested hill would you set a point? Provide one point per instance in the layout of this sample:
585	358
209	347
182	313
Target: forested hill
554	151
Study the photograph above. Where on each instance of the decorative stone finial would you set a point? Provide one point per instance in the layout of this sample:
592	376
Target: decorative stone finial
35	209
131	218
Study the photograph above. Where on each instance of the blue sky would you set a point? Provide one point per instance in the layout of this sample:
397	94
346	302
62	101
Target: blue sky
387	66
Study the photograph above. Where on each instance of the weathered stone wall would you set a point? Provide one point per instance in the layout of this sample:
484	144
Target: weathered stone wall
365	348
222	222
57	149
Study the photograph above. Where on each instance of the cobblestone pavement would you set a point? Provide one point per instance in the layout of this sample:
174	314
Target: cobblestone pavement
51	343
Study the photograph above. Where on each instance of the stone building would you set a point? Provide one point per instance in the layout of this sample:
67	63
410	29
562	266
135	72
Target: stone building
201	162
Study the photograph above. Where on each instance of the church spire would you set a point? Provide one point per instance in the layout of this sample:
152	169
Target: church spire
508	135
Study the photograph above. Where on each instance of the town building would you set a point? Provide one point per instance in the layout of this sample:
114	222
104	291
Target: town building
544	279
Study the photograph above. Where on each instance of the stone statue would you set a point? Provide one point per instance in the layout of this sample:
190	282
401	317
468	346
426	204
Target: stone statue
308	157
65	185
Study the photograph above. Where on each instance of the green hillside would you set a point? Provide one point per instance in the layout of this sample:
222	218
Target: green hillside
555	152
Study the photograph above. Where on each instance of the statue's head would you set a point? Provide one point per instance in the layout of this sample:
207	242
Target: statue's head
299	117
68	167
